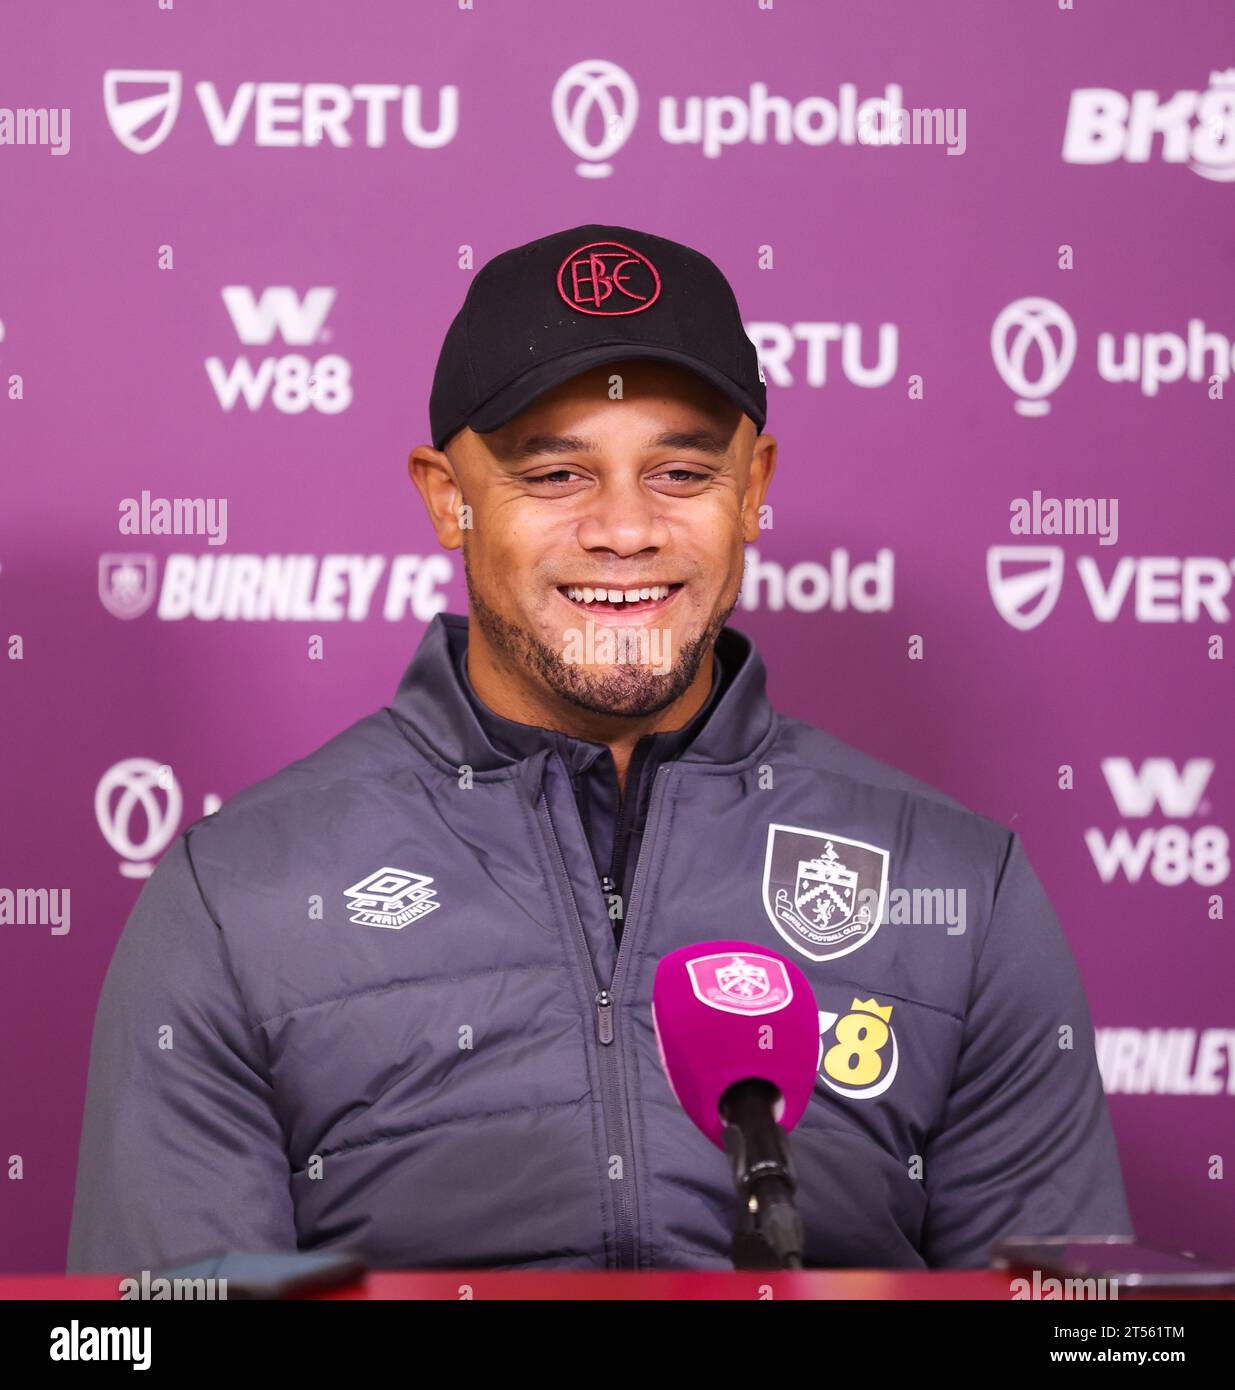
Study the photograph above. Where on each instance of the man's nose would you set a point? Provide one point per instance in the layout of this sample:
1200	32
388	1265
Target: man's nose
625	518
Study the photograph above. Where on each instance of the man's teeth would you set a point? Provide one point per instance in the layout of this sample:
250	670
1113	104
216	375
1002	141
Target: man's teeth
588	595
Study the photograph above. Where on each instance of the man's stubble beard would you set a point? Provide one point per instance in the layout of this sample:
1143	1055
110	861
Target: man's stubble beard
631	690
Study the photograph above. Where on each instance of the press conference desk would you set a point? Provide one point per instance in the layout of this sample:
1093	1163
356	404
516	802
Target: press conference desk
554	1284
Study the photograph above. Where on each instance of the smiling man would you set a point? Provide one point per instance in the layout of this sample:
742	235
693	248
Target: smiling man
603	547
396	998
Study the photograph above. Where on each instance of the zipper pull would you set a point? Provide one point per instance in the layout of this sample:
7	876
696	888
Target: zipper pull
604	1016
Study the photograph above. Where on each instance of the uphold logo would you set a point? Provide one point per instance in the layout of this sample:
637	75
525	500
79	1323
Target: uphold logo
1033	323
594	92
142	791
128	115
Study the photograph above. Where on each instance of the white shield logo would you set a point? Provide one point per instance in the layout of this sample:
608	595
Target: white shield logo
1026	598
128	115
737	982
126	584
824	893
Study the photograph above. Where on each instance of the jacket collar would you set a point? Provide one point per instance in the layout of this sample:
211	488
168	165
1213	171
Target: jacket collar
434	701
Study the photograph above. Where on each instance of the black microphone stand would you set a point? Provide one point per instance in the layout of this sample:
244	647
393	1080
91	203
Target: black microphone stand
768	1233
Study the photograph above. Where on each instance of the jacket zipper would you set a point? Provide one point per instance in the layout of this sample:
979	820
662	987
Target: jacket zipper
649	838
610	1080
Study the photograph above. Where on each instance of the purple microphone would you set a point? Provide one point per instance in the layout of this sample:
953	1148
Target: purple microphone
738	1030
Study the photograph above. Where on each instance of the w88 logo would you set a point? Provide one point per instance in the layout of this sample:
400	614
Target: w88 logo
292	383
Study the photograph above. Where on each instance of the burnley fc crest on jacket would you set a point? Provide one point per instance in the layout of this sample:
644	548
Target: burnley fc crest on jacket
824	893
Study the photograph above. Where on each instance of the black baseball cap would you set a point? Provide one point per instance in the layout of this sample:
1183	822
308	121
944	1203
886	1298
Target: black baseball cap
539	314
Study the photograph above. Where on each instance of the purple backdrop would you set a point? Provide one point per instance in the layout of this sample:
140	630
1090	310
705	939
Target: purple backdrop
220	283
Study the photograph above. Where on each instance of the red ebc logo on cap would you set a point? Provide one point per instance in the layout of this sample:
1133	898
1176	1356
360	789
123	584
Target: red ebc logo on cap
605	277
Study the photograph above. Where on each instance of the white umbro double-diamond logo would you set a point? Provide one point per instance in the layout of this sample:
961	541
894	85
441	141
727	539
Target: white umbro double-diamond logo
391	898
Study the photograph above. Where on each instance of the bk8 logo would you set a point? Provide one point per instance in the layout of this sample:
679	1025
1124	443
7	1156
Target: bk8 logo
858	1055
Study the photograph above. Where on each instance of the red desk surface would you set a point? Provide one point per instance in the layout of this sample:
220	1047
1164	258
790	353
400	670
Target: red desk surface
568	1284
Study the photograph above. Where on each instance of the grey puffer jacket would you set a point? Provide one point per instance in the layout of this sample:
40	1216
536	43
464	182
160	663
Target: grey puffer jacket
373	1003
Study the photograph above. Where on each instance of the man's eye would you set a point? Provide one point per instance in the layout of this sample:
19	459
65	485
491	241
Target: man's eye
559	475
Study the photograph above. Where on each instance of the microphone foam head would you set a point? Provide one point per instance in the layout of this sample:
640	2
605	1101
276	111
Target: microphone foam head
727	1011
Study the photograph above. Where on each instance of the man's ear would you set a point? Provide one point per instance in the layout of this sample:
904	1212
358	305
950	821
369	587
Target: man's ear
762	466
436	481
